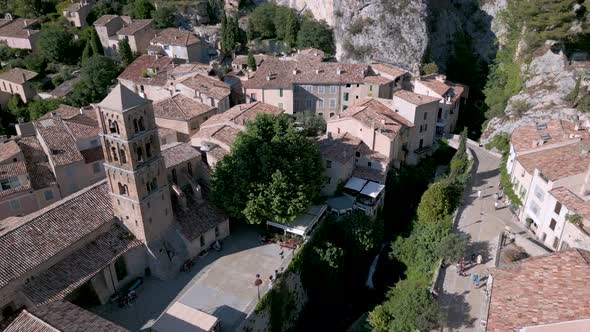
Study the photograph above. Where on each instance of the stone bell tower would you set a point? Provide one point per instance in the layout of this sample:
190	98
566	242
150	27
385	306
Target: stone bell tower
136	174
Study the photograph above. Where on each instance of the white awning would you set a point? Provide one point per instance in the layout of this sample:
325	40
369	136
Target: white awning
355	184
372	189
303	223
180	317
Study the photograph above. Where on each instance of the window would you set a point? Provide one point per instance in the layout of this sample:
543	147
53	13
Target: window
555	243
543	237
308	103
348	85
15	205
189	168
332	103
369	164
174	177
425	114
9	183
346	96
321	90
421	144
96	167
252	96
344	107
426	127
552	224
320	103
123	156
328	180
280	106
439	113
534	208
333	89
328	164
320	114
358	85
48	195
357	154
420	128
280	92
557	209
216	231
202	241
370	88
120	268
539	193
331	115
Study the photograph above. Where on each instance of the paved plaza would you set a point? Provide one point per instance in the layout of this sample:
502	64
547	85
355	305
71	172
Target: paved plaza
221	284
462	302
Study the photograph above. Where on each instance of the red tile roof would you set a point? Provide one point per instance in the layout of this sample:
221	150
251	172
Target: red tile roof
573	203
559	162
210	86
242	113
178	153
18	28
40	172
8	150
440	85
61	144
415	98
175	37
76	269
372	112
540	290
388	69
180	108
136	70
64	112
340	148
528	137
18	75
134	27
51	230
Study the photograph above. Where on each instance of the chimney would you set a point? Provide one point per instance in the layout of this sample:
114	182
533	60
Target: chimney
25	22
28	32
81	110
383	122
339	71
24	77
317	71
441	78
295	71
268	77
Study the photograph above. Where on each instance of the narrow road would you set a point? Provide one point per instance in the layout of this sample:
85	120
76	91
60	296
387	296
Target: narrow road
461	301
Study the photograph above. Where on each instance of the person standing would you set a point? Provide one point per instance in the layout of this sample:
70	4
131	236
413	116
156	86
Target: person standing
475	279
479	194
479	259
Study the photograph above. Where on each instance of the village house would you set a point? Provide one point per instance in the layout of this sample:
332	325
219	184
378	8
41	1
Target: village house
16	81
218	133
542	293
451	96
181	45
148	76
207	90
19	33
548	166
77	13
182	114
104	236
305	83
113	28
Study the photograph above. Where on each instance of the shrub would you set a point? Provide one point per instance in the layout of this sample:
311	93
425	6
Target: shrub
429	68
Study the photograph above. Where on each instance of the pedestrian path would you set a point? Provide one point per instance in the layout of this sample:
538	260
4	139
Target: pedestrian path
461	301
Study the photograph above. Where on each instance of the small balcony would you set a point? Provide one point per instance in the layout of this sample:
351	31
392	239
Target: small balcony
423	150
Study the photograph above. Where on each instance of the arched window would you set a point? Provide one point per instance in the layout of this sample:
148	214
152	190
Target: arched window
115	127
139	153
114	153
148	187
135	126
122	189
112	128
123	156
148	150
154	184
141	124
174	177
189	168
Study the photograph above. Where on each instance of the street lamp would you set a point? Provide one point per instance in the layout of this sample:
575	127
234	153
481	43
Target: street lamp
257	283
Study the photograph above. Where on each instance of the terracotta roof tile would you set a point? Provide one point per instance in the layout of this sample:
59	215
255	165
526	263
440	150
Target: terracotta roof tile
559	162
372	112
376	79
40	172
51	230
64	112
93	154
369	174
415	98
198	218
341	148
180	108
175	37
60	143
134	27
440	85
540	290
542	134
61	316
210	86
18	28
76	269
242	113
13	170
17	75
160	64
573	203
8	149
82	126
388	69
104	19
178	153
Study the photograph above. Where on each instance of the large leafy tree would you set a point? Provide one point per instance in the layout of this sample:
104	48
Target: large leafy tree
272	173
261	21
96	75
56	44
436	204
142	9
316	34
163	17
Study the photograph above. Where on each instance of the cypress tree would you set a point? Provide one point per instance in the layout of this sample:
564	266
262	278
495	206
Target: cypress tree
251	61
95	44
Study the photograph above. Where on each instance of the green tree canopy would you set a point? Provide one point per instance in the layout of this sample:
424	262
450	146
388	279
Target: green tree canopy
361	233
429	68
125	52
55	44
312	123
96	76
230	33
141	9
251	61
35	62
316	34
163	17
409	307
272	173
261	21
38	108
436	204
452	247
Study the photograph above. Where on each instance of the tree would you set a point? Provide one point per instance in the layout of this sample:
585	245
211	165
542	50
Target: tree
35	62
38	108
312	123
55	44
163	17
251	61
330	255
429	68
272	173
291	28
261	21
16	107
409	307
95	43
361	233
316	34
31	8
460	161
142	9
88	52
452	247
96	75
436	204
230	34
125	52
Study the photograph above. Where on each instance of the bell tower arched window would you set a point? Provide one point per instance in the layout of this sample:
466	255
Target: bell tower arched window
141	124
123	156
139	154
122	189
189	168
114	153
148	150
135	126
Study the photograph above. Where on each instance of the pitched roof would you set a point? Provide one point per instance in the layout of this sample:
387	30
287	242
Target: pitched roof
178	153
18	28
175	37
65	88
18	75
40	173
134	26
61	316
93	154
13	170
559	162
60	143
372	112
77	268
573	202
542	134
8	149
210	86
158	65
51	230
439	84
64	112
341	148
104	19
198	218
276	73
414	98
388	69
540	290
242	113
180	107
82	126
122	99
377	79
